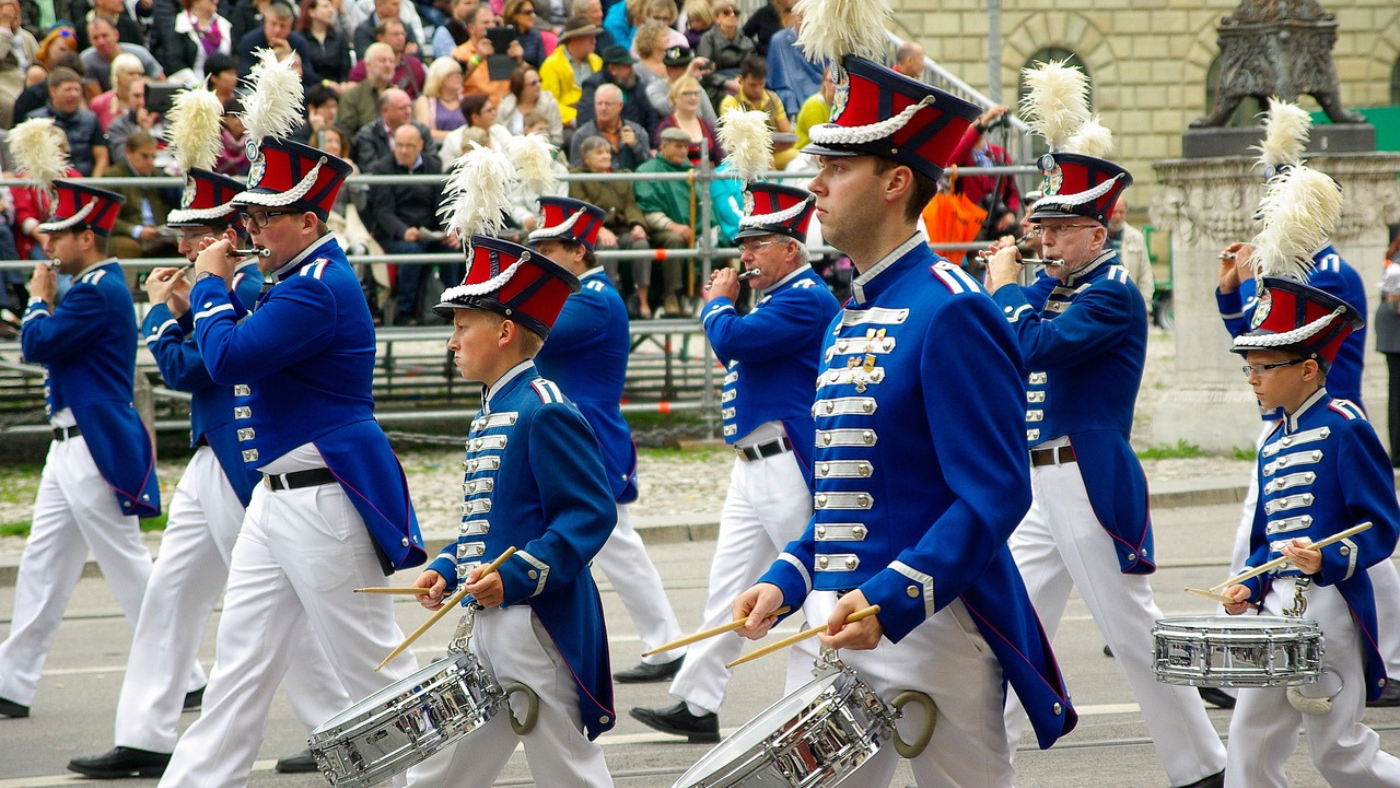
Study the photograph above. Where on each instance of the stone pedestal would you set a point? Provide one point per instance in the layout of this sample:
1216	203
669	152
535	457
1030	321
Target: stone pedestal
1208	203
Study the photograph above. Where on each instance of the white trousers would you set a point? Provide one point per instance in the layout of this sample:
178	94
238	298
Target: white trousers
767	506
1060	545
1264	726
514	645
297	560
946	658
625	562
205	516
74	511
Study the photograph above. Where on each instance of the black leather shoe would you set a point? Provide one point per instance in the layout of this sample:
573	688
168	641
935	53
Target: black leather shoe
644	673
1213	781
194	700
301	763
677	720
1108	651
1390	696
9	708
121	762
1217	698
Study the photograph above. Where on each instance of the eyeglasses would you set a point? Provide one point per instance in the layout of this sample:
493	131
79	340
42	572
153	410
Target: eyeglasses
1058	229
262	219
756	244
525	12
1250	370
690	94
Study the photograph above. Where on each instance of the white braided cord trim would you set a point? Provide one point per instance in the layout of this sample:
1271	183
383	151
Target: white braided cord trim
195	214
1080	198
557	230
64	224
284	198
832	134
1288	337
781	217
482	288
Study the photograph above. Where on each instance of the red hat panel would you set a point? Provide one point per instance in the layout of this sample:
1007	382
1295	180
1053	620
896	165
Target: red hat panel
1079	186
206	200
79	206
1298	318
568	220
290	174
774	209
510	280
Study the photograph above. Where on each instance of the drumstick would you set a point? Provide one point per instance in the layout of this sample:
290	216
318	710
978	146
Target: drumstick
1281	560
414	591
1217	597
448	605
708	633
800	636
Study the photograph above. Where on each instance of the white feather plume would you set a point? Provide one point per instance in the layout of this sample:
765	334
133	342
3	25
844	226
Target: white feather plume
833	29
40	151
194	128
477	194
1286	130
273	108
533	157
1092	139
747	141
1300	208
1057	103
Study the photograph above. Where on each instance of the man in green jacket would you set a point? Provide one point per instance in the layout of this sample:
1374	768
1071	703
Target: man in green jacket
666	206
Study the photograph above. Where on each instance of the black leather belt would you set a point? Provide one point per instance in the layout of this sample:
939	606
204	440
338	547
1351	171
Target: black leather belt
764	450
277	482
1059	455
64	433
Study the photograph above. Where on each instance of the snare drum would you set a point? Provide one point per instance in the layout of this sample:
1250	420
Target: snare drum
1237	651
407	721
813	738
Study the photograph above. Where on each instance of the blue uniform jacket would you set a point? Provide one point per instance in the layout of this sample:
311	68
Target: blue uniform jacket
586	355
87	345
1323	470
1334	275
918	484
301	367
171	341
534	480
771	357
1082	353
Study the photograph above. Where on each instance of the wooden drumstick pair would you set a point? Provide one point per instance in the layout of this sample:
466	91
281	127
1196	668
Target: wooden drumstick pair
447	606
801	636
1214	591
706	634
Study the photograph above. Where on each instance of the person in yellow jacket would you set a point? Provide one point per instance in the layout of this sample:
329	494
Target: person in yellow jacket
570	64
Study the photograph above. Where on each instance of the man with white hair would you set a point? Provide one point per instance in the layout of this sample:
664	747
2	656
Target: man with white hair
360	104
629	141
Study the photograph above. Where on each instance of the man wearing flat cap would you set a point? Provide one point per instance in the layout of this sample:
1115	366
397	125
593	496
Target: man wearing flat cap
619	68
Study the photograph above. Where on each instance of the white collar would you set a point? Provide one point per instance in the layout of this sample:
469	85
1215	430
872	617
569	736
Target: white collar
858	286
93	267
1290	420
597	269
509	375
793	274
276	276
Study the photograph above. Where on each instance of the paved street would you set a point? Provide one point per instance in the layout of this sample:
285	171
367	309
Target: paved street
74	710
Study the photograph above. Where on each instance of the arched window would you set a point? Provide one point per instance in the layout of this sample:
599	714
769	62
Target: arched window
1249	108
1047	55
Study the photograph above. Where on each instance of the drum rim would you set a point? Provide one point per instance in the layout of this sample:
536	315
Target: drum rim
381	697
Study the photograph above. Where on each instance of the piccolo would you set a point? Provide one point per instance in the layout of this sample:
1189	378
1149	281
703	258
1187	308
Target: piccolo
54	264
255	252
749	273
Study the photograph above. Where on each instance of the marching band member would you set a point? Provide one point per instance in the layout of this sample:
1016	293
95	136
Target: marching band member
331	512
535	480
99	476
911	515
1083	349
210	498
1321	470
770	356
586	356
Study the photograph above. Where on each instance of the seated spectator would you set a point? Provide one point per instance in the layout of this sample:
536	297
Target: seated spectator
481	114
233	159
666	208
137	231
97	59
699	17
135	119
592	10
651	43
526	96
622	19
453	32
199	32
790	75
126	69
87	144
754	95
629	143
404	220
686	96
221	76
520	14
116	13
909	60
346	223
550	15
725	46
32	208
440	106
246	15
815	111
766	22
59	48
322	108
524	203
570	66
375	140
17	47
368	31
473	52
330	52
680	62
360	105
409	74
276	34
619	70
663	12
625	227
354	13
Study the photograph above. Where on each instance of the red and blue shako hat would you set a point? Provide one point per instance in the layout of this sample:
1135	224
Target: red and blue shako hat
512	281
287	174
569	221
1298	318
1076	186
774	209
79	207
207	200
877	112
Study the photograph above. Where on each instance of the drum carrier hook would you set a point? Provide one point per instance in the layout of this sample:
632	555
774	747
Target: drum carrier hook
909	750
461	640
1300	603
